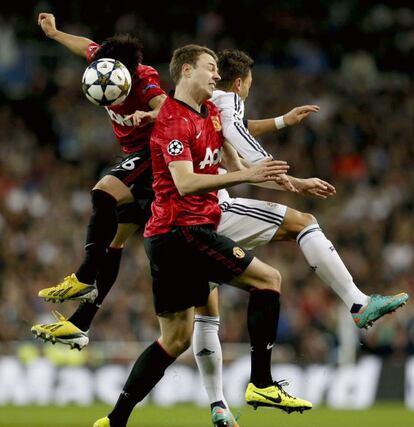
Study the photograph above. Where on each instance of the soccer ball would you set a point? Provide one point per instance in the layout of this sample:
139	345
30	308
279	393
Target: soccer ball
106	81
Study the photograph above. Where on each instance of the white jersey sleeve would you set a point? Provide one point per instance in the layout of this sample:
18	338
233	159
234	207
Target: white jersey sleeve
231	108
222	194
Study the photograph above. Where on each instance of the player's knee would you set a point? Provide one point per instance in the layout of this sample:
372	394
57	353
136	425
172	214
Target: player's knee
176	341
272	279
295	221
116	188
179	345
117	245
103	186
304	220
300	221
310	219
185	343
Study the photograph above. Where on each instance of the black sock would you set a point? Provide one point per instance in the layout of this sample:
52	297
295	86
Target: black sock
108	272
355	308
262	320
218	403
145	374
101	230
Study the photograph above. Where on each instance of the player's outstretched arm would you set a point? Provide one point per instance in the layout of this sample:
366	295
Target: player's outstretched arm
75	44
233	162
304	186
188	182
293	117
142	118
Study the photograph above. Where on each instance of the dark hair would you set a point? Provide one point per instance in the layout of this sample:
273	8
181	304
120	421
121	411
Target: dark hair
122	47
188	54
232	64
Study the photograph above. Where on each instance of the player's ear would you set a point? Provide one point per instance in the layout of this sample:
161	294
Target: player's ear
186	70
237	84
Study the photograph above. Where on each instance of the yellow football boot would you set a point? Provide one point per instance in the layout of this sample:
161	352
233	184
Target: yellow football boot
63	331
102	422
70	289
274	396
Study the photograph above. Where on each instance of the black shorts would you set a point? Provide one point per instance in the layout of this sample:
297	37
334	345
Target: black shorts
135	172
185	260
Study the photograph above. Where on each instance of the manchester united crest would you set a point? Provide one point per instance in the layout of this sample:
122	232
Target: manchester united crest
238	252
216	123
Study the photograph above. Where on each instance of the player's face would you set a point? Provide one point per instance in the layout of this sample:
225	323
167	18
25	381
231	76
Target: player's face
205	75
245	86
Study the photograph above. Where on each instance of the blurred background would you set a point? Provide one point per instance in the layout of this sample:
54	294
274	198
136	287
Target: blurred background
354	59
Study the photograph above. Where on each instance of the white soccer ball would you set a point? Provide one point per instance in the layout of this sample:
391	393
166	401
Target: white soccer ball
106	81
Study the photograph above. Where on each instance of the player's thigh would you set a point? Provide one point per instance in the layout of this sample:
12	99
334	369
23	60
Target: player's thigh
176	331
116	188
221	260
249	222
131	175
212	306
258	275
295	221
216	257
178	281
124	231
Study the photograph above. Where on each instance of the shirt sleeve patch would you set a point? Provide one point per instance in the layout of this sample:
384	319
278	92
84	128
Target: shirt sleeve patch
175	147
148	87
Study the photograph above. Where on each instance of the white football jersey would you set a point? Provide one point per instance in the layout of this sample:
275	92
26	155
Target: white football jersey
231	108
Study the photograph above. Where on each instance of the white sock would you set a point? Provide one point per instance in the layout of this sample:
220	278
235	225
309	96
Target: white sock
207	353
325	261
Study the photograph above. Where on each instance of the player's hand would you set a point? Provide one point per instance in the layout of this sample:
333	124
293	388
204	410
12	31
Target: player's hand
295	116
141	118
48	23
267	170
314	187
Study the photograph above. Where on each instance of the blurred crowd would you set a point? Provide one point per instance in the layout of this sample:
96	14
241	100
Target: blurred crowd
54	145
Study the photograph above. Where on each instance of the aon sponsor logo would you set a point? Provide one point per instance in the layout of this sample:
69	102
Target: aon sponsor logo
212	157
117	118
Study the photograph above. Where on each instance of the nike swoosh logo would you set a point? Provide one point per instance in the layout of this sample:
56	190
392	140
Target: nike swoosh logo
199	134
269	346
272	399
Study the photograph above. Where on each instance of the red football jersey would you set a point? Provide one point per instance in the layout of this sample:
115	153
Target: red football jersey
181	133
145	86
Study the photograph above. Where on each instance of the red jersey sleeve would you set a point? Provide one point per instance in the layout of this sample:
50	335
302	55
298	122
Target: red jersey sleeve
91	50
175	144
149	83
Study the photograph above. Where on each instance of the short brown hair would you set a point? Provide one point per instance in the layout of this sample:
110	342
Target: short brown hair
233	64
188	54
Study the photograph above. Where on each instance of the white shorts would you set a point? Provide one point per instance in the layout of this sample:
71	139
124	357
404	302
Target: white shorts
249	222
